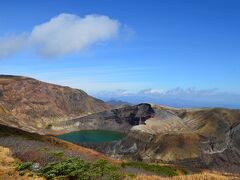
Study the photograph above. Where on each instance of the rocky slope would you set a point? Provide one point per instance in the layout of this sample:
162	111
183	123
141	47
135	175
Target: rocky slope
32	105
202	137
121	119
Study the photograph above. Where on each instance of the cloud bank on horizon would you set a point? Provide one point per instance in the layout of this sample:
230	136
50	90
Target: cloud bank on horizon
62	35
177	97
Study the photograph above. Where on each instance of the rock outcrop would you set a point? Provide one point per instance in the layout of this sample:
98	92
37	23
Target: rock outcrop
121	119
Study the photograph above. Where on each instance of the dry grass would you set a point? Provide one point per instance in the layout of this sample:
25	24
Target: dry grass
6	161
7	167
201	176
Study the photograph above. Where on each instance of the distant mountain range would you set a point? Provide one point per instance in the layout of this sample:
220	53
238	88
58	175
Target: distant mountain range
117	103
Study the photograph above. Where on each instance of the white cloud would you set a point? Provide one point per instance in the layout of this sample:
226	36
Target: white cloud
160	93
178	97
152	92
69	33
11	45
63	34
192	91
116	93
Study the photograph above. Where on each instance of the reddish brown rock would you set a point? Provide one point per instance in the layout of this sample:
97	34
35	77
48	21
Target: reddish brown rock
32	105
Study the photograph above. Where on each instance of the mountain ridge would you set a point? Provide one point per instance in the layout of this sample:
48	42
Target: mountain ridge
28	102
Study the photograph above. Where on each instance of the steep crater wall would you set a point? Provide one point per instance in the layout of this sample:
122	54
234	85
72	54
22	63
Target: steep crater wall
121	120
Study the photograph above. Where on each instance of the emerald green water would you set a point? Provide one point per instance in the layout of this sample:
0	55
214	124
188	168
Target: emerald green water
91	136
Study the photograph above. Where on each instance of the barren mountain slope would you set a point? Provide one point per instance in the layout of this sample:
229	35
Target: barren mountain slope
205	137
32	105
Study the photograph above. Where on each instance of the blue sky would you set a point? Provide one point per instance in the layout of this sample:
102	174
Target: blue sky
159	45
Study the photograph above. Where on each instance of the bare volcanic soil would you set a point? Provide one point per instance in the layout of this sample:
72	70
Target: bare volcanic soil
201	138
32	105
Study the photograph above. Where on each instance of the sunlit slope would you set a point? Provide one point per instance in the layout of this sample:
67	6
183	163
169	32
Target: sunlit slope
32	105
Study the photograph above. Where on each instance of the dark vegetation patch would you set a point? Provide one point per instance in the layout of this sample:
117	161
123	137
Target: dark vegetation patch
79	169
75	168
23	166
161	170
